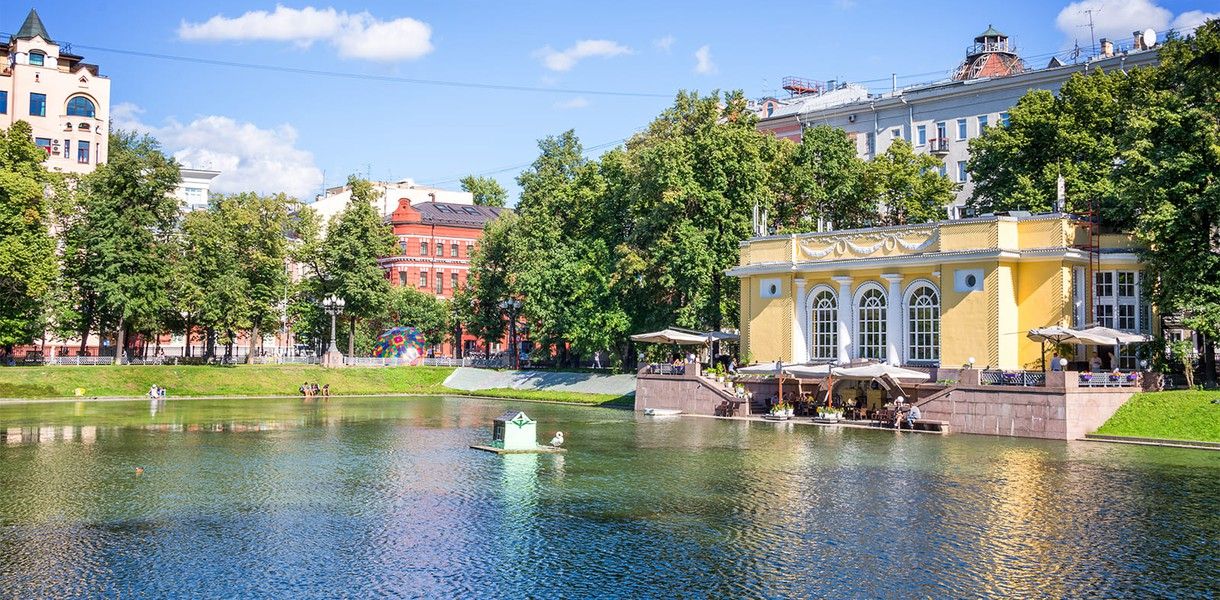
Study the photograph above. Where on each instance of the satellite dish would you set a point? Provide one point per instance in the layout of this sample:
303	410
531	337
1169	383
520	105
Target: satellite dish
1149	38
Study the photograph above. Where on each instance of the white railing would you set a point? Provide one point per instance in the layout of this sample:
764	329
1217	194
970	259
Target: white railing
286	360
1017	378
441	361
79	360
1109	380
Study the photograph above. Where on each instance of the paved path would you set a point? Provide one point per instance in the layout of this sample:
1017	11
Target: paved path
466	378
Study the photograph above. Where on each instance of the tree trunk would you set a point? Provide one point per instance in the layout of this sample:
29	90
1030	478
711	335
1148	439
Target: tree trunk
1209	361
351	337
84	339
250	350
119	343
209	346
186	336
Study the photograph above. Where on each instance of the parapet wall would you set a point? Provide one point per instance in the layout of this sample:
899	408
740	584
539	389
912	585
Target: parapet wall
1060	411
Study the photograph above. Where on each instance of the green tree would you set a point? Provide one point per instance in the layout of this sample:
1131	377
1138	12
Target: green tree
355	239
126	235
1072	135
27	258
821	181
413	308
906	187
1169	169
491	281
486	190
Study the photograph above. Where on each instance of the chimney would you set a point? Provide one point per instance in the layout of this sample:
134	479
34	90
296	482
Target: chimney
1107	48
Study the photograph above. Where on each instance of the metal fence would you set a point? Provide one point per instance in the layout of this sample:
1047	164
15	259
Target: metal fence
1109	380
1015	378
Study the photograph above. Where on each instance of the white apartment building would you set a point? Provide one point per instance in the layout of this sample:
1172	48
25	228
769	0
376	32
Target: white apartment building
65	100
335	199
938	118
194	187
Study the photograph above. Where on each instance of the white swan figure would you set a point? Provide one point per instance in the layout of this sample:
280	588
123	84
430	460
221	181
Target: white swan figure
557	441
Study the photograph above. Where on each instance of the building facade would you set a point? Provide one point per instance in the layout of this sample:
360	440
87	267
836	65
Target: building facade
335	199
938	118
936	294
65	100
436	241
194	187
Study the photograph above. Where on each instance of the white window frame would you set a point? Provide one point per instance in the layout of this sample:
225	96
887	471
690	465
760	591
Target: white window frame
823	342
921	135
926	325
877	320
963	129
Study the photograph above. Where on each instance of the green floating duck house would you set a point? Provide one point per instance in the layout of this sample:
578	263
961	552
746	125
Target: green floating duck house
514	430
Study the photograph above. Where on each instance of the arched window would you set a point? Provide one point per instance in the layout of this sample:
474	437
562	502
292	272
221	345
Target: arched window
80	106
923	324
871	334
824	318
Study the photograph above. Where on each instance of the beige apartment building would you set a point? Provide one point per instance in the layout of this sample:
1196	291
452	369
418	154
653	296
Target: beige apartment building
65	99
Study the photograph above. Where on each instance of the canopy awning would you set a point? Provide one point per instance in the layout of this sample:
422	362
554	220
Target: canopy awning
1054	334
798	370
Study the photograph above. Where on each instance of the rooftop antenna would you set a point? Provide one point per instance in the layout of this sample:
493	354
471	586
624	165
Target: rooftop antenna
1092	35
1076	52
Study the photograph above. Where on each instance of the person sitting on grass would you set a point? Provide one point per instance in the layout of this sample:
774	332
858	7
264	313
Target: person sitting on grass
326	391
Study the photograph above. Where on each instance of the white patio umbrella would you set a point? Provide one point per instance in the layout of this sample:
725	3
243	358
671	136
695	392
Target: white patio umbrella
888	375
1105	336
1055	334
671	336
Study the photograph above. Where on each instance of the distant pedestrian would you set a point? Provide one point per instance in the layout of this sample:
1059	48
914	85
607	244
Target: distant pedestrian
1055	366
326	391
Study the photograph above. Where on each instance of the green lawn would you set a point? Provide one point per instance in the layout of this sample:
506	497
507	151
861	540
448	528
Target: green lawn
256	380
1177	415
242	380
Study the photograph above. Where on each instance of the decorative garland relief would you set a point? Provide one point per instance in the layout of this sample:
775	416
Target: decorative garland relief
873	242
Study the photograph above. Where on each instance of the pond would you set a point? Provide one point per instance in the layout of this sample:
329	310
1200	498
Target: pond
383	497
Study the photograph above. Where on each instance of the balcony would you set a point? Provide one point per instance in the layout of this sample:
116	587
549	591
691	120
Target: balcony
938	146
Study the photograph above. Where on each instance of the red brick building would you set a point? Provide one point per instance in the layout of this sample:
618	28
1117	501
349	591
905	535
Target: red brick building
436	241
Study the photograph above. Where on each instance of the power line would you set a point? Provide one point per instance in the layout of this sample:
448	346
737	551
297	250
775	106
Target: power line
365	76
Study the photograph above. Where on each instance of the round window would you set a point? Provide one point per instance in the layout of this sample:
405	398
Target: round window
774	289
971	280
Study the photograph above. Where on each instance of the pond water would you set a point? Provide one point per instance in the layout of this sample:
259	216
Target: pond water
382	497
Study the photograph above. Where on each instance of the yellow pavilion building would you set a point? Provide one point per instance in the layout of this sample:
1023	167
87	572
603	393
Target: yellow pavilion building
935	294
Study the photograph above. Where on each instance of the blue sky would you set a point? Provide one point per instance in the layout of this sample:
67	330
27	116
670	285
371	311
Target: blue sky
283	130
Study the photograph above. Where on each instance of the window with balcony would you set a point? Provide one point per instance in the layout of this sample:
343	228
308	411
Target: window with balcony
38	105
942	130
81	106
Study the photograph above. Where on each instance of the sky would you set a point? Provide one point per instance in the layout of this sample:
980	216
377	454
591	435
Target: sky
338	90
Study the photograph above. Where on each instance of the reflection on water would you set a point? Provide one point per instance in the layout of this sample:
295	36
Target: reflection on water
370	497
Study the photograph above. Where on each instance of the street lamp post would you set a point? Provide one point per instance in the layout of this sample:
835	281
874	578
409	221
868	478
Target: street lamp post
512	307
186	333
333	305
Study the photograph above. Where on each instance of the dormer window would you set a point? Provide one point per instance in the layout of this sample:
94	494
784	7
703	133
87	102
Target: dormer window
67	127
37	58
83	127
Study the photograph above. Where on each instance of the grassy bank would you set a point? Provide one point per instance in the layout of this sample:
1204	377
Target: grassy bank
1176	415
257	380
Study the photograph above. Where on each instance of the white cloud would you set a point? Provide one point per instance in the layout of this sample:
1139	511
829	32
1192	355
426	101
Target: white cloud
557	60
1189	20
354	35
664	43
1114	19
248	157
577	102
703	61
